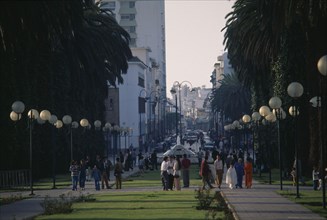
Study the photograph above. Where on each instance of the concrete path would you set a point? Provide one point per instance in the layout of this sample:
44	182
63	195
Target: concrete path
262	202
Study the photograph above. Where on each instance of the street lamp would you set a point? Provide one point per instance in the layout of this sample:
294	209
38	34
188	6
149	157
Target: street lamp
173	92
53	120
67	120
178	85
142	101
264	111
246	119
275	103
322	68
115	131
295	90
18	108
256	119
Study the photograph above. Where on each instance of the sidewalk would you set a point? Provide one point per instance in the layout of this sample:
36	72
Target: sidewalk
262	202
29	208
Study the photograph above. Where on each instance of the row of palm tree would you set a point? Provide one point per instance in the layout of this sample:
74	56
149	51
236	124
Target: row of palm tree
60	56
271	44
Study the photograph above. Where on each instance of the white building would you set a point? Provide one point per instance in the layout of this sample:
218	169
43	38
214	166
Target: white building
146	76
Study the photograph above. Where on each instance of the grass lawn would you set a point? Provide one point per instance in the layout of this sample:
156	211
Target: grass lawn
141	203
308	198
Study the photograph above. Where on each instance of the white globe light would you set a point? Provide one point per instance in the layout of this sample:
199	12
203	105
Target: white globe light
293	111
58	124
97	124
15	116
33	114
74	124
67	119
315	101
295	90
53	119
45	115
322	65
84	122
246	118
256	116
264	110
275	102
18	107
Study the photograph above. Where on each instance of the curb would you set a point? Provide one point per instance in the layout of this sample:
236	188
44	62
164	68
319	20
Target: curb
230	206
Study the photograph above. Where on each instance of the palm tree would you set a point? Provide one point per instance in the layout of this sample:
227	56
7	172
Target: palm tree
278	41
57	55
231	97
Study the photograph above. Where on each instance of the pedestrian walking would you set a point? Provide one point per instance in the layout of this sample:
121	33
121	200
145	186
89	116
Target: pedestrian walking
239	167
231	176
82	174
177	173
164	173
170	172
218	164
315	178
74	171
186	164
248	170
205	173
118	170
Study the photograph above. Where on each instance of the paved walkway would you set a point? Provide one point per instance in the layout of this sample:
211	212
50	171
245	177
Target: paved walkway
260	202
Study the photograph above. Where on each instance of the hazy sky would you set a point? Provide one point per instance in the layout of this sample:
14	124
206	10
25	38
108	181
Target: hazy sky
194	39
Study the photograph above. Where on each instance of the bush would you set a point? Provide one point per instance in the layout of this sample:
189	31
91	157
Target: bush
63	204
11	199
204	199
213	204
55	206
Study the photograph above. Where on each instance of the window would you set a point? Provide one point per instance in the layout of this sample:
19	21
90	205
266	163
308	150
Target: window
131	4
132	29
111	104
124	16
112	5
132	42
141	82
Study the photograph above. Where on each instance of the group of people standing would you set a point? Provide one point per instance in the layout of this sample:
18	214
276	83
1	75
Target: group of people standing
82	171
236	169
171	169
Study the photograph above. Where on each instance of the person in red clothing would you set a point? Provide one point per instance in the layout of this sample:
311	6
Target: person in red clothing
186	163
248	173
205	173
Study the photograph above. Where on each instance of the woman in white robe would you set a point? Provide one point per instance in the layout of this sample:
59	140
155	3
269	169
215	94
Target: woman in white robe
231	177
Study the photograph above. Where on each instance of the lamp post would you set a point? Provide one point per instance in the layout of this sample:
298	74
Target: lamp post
18	108
246	119
256	119
264	111
142	101
173	93
115	131
107	128
275	103
322	68
178	85
295	90
56	124
67	120
86	125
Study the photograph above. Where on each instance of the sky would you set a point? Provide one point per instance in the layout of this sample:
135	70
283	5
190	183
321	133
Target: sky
194	39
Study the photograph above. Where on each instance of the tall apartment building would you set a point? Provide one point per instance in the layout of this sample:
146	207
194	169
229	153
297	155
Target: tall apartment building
145	22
